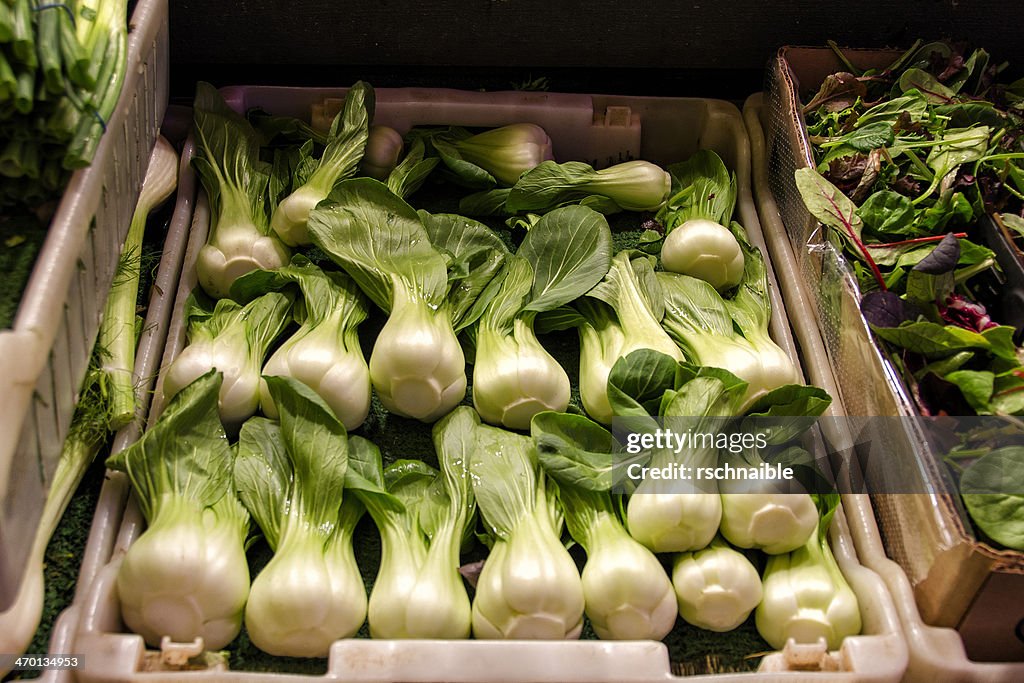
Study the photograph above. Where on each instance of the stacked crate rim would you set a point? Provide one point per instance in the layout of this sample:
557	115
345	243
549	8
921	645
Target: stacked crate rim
93	628
44	355
957	580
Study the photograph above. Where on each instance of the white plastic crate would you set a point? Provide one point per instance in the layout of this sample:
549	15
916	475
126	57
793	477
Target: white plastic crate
660	129
44	355
935	654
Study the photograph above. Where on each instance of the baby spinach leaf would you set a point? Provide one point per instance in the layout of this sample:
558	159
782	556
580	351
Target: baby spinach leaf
993	491
976	386
886	212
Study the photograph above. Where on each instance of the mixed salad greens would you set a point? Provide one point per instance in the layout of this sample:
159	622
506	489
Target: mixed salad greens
919	167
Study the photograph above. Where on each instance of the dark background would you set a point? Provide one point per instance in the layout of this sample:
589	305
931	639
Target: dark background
703	48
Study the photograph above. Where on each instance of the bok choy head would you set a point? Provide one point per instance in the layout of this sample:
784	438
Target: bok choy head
291	477
631	185
678	515
562	257
697	243
529	587
729	333
228	164
717	587
419	592
806	596
346	143
620	315
493	157
324	353
186	576
233	339
627	592
426	272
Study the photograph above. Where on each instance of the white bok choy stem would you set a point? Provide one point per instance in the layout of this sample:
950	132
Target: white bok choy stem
529	587
395	256
717	587
383	149
419	591
186	576
117	330
806	596
346	143
561	258
228	164
773	516
324	353
291	478
233	339
628	595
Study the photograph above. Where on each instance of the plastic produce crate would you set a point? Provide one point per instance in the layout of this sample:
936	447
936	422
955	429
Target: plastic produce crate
956	580
44	355
658	129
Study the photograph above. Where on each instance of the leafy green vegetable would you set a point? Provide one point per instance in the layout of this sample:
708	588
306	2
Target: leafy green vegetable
186	575
233	339
228	164
631	185
344	149
324	353
561	258
291	479
529	587
417	365
993	492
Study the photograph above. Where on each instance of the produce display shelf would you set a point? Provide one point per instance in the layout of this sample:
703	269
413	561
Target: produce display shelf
946	576
658	129
44	355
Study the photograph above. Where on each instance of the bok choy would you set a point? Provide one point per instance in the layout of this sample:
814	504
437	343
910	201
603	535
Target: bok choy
717	587
186	576
562	257
529	587
233	339
417	365
291	478
728	333
806	596
628	596
324	353
419	592
620	315
346	143
496	156
677	515
227	161
697	243
631	185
